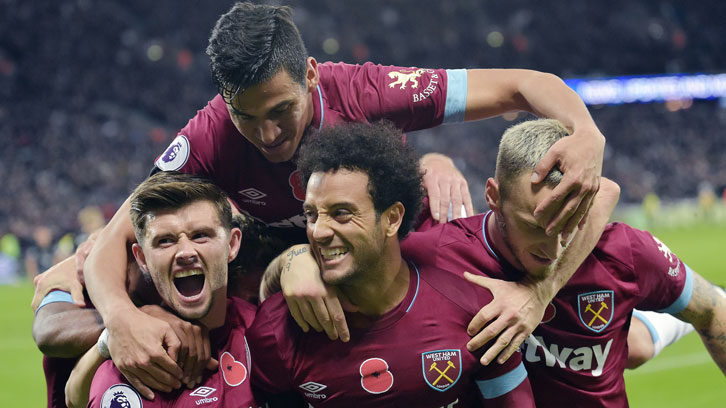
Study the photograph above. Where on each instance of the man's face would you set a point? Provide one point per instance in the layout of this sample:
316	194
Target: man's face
186	252
346	236
273	115
533	250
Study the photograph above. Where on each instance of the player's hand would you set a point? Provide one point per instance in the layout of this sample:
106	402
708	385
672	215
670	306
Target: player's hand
446	187
579	157
515	311
311	302
82	254
61	276
195	353
145	350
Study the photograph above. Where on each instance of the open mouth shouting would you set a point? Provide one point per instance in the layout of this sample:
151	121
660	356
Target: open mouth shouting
189	284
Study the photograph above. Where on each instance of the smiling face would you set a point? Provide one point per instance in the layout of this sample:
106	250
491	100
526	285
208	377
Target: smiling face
525	243
274	115
346	235
186	252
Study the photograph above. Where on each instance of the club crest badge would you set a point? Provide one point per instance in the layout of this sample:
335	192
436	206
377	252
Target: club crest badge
175	156
596	309
441	368
121	396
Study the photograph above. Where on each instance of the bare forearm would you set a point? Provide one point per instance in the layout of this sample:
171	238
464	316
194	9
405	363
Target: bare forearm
586	239
66	330
78	386
273	273
105	268
707	313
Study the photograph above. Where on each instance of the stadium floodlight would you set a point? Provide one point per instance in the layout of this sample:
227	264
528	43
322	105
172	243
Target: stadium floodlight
649	88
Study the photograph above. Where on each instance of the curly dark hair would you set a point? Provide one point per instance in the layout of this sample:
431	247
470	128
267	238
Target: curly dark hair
376	149
250	44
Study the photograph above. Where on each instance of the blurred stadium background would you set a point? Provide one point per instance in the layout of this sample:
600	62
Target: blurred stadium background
91	92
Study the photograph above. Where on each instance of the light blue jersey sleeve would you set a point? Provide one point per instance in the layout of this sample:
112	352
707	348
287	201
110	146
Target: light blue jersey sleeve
455	96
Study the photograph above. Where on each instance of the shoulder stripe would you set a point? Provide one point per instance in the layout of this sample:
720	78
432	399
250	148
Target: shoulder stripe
496	387
484	234
54	297
455	96
418	282
685	296
322	109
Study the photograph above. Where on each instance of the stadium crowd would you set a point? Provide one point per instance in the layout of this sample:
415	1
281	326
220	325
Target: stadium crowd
91	92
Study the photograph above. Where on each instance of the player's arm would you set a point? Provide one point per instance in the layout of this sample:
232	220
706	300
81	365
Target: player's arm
706	311
491	92
518	307
143	348
63	329
79	382
311	302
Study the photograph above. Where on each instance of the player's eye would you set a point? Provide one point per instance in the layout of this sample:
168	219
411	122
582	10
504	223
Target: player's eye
310	216
200	236
342	215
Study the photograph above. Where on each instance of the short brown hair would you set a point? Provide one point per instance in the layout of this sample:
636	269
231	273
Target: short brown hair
171	190
522	147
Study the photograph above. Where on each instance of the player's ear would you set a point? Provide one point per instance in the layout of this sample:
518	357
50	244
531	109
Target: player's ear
312	77
492	195
139	255
235	241
392	218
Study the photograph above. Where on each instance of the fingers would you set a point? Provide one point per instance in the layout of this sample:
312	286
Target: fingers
493	351
335	309
309	315
562	215
322	315
434	200
295	312
140	387
551	158
444	201
512	347
77	294
167	360
466	196
580	215
483	336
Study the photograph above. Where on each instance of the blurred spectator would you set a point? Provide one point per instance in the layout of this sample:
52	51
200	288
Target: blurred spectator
9	257
91	92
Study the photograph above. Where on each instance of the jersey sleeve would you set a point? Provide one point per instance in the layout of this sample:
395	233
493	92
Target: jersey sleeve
413	98
195	148
109	388
505	385
271	365
665	282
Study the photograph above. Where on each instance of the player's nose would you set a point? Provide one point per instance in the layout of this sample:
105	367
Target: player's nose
268	131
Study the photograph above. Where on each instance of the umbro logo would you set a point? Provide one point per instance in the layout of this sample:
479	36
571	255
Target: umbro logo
203	391
312	386
252	193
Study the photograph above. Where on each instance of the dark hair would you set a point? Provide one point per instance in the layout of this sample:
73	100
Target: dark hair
377	150
171	190
250	44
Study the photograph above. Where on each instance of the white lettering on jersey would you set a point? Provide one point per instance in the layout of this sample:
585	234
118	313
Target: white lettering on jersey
578	359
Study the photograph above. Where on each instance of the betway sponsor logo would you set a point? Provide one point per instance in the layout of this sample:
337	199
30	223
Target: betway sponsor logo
581	358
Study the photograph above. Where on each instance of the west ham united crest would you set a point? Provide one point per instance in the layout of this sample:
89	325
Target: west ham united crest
596	309
441	368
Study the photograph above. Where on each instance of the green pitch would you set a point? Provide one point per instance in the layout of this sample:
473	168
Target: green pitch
682	376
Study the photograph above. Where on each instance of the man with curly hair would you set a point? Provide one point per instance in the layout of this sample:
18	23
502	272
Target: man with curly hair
408	320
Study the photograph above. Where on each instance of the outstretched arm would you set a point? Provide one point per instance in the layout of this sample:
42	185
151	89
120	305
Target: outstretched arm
491	92
143	348
706	311
518	307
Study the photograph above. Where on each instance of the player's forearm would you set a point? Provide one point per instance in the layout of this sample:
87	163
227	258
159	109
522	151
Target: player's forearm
66	330
706	311
586	239
105	268
79	383
272	276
